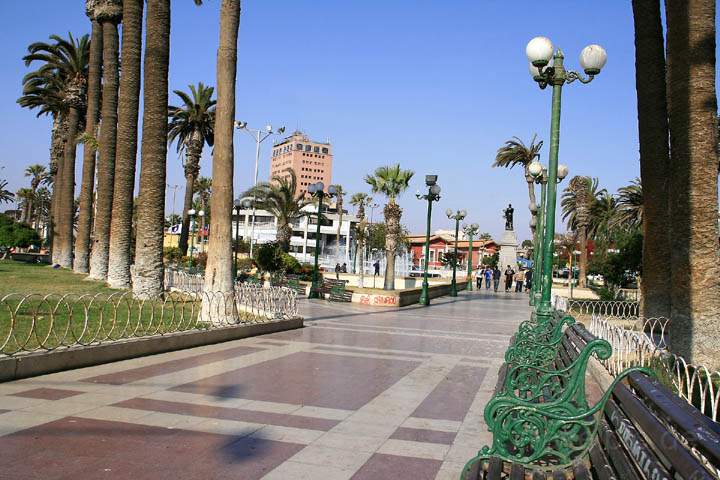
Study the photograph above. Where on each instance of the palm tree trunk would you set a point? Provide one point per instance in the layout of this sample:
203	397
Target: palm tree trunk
148	274
218	273
82	241
120	255
106	160
361	252
187	205
392	224
66	193
693	192
654	158
57	148
582	263
533	202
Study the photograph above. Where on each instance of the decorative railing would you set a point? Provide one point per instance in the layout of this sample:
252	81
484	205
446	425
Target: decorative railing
645	345
30	323
588	308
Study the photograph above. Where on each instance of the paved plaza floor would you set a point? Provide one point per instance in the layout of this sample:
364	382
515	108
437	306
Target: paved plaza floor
359	393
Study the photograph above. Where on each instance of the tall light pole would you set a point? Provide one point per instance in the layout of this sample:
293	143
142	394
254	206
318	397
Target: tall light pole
433	195
457	216
259	135
237	205
539	52
540	174
191	214
317	190
470	230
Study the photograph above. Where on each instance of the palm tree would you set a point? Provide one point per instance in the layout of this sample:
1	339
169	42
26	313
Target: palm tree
41	200
108	13
191	126
39	176
390	181
61	82
148	273
650	76
25	200
515	152
339	208
6	196
87	185
203	191
278	197
120	254
577	201
359	200
602	213
219	271
629	213
693	192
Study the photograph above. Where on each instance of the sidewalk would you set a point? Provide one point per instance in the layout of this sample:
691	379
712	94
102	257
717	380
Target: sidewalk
361	393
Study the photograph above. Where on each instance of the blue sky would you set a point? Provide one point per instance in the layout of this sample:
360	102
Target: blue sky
437	86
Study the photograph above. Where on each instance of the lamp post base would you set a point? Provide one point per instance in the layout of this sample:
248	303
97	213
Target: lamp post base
424	297
453	289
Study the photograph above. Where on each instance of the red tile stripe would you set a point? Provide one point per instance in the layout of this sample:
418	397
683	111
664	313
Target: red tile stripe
382	466
141	373
423	435
451	398
225	413
47	393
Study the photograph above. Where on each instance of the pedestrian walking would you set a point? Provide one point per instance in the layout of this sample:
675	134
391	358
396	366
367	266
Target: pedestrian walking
497	274
479	275
343	269
519	280
376	266
509	275
528	279
337	271
488	277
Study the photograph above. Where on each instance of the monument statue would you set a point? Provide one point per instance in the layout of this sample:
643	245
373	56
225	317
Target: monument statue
508	214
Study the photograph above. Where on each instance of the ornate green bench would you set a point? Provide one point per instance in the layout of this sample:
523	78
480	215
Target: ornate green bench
335	290
544	428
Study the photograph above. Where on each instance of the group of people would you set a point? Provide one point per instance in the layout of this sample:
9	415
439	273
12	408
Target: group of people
492	275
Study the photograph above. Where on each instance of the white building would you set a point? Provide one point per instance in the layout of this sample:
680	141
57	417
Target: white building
302	242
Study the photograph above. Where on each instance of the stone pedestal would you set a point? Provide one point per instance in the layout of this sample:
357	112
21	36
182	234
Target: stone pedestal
508	250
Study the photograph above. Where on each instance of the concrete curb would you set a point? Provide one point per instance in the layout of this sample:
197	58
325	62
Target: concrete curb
41	363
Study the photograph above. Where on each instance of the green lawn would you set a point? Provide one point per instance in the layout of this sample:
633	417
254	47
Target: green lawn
43	308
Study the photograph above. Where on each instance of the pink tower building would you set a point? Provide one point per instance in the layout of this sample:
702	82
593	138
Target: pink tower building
311	161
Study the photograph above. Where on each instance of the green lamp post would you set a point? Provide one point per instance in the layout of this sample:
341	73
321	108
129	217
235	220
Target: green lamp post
433	195
457	216
317	190
470	232
540	51
191	214
540	174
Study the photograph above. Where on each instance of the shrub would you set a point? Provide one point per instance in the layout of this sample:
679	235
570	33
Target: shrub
15	234
268	257
172	254
290	263
244	264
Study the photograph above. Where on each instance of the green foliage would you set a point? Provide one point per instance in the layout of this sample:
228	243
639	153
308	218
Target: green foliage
619	267
390	180
15	234
172	254
245	263
492	260
289	263
515	152
268	257
195	119
449	259
377	232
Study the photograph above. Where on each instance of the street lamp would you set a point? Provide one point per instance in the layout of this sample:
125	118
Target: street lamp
317	190
237	205
259	135
470	231
540	175
433	195
457	216
540	51
191	214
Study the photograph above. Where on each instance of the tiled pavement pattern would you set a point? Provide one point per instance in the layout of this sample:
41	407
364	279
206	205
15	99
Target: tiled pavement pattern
358	394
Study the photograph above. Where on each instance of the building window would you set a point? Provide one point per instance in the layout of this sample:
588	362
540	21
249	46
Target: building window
299	146
316	149
308	148
325	150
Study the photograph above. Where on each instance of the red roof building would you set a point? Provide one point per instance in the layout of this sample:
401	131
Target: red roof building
441	243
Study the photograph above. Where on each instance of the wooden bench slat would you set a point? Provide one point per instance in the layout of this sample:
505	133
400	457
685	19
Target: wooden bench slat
677	454
696	428
517	472
581	472
601	465
494	469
